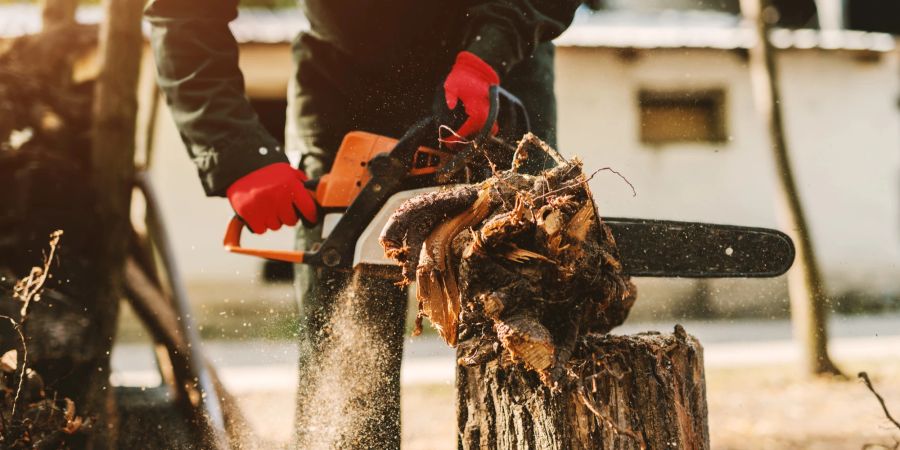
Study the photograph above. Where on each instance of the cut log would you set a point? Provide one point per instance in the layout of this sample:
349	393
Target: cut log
645	391
517	266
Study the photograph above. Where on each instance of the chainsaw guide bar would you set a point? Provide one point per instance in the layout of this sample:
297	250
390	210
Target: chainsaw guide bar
661	248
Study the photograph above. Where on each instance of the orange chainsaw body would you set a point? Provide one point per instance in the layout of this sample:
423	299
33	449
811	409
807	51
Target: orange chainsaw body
337	189
349	173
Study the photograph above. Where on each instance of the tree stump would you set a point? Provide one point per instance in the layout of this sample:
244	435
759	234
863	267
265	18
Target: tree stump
645	391
521	274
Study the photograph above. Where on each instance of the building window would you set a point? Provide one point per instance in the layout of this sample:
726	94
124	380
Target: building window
682	116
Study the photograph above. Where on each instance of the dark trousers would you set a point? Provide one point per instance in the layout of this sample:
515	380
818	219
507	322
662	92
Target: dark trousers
330	96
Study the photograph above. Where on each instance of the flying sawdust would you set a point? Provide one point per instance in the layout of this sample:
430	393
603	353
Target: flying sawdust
345	402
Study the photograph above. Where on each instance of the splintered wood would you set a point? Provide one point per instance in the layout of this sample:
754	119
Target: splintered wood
516	268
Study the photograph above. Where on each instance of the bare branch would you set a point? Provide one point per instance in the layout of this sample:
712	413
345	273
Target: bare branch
29	288
865	377
870	446
18	329
589	178
26	290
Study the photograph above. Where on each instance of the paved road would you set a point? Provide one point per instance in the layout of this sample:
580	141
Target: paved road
256	365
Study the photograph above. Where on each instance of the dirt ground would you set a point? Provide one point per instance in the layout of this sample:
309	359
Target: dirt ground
757	408
774	408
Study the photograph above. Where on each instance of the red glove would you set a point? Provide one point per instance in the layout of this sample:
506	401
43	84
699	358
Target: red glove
266	198
469	81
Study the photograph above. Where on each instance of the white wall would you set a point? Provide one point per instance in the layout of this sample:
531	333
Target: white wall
843	130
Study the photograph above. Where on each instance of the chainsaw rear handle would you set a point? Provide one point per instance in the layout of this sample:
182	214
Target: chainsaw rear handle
236	226
388	171
232	244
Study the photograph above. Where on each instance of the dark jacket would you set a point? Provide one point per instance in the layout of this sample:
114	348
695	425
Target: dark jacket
197	57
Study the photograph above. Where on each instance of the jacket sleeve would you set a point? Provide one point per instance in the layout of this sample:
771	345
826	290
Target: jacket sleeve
504	32
197	64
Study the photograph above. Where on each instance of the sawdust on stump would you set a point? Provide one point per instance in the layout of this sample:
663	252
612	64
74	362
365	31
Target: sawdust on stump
516	268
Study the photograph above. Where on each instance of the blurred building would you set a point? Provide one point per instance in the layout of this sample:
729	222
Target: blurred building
662	96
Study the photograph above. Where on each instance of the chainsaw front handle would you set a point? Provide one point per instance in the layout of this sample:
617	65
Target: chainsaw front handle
232	244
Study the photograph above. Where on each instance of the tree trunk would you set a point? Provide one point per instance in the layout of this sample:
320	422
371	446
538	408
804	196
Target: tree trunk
806	289
112	170
58	12
648	392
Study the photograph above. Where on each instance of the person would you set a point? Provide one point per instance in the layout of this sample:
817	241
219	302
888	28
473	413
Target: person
371	65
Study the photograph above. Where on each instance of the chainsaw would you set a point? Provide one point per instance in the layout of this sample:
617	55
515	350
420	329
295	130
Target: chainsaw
373	175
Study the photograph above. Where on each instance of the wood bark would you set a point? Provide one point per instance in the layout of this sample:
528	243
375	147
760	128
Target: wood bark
58	12
647	392
112	171
809	302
